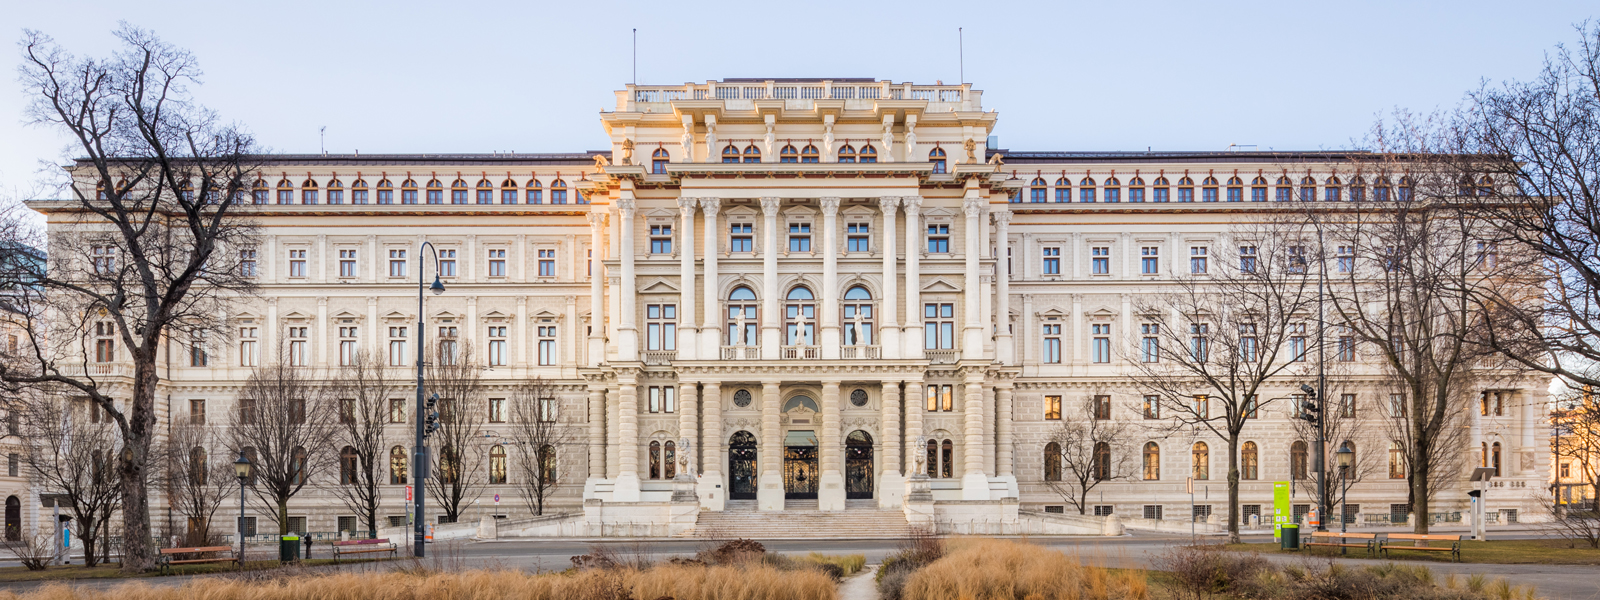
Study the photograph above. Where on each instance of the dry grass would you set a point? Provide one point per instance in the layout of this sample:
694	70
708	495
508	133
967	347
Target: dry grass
994	569
751	582
849	564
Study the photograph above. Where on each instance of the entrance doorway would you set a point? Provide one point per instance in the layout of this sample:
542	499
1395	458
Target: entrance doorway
13	519
858	466
800	473
742	466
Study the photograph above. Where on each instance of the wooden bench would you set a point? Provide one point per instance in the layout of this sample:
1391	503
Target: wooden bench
170	556
1454	549
1336	539
364	547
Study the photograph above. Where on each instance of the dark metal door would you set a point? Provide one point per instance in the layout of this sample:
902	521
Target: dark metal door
858	466
742	467
800	473
13	519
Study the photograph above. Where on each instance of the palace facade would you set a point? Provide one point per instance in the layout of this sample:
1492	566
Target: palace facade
799	293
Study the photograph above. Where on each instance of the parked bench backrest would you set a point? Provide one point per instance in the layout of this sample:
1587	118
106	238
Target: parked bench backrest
1338	535
362	542
196	550
1416	537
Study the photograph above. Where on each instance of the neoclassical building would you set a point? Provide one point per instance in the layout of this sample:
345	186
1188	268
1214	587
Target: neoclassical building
800	293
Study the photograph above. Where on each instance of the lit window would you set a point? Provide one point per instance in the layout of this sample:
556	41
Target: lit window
1052	408
941	398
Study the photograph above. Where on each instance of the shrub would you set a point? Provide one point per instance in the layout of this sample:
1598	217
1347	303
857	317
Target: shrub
1201	571
917	551
847	565
1204	571
733	552
993	569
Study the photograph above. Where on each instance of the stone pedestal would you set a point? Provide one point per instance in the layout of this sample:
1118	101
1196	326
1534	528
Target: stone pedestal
769	491
830	496
891	490
488	528
709	488
683	489
975	486
626	488
918	503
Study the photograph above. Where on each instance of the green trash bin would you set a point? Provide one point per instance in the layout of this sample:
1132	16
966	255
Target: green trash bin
1289	537
289	548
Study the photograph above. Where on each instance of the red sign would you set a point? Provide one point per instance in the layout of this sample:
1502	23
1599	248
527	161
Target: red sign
408	493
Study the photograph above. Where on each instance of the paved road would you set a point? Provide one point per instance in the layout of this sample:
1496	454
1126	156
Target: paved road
1136	550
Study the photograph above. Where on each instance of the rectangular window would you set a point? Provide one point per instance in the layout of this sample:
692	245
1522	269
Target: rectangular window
1149	344
1152	406
1100	344
1247	259
661	239
308	196
1487	256
1150	260
1102	407
535	195
741	238
448	345
397	346
547	345
1250	406
1347	348
347	263
1136	194
1296	259
447	262
297	263
497	410
1235	194
285	196
547	262
941	398
661	326
247	262
1113	195
857	238
105	344
497	262
497	346
1345	259
1052	343
1397	405
1202	406
1152	511
1247	342
1197	260
197	412
1186	194
799	237
1052	261
939	326
1297	342
938	239
247	347
663	399
299	346
397	411
1258	194
348	350
1347	406
397	262
198	354
1100	260
1052	408
508	196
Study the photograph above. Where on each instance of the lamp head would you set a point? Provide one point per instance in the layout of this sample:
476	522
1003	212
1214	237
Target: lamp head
437	287
242	467
1346	457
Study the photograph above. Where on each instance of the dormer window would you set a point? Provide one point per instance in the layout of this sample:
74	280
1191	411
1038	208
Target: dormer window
847	154
788	155
809	154
730	154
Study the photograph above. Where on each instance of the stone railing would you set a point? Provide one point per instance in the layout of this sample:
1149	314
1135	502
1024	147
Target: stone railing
656	358
942	357
741	353
802	352
860	352
799	90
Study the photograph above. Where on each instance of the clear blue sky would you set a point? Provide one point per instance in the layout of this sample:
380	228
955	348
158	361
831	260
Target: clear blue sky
531	76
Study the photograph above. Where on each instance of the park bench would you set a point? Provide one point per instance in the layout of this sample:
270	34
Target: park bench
363	547
174	556
1336	539
1454	549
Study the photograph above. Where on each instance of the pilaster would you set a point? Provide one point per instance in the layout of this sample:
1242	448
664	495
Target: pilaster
830	494
769	493
687	331
710	325
911	346
830	281
771	319
888	336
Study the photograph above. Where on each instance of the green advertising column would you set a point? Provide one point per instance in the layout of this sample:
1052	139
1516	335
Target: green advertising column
1281	510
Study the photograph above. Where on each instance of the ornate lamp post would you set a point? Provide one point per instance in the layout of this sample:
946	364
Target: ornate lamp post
243	470
417	456
1347	459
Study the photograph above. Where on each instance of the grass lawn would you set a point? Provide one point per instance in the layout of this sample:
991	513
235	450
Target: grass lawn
1507	552
114	571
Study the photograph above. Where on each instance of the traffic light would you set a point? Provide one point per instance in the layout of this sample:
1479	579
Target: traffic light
1310	391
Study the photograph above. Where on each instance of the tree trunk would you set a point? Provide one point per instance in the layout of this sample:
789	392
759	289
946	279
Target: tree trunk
138	553
1233	489
1419	497
283	517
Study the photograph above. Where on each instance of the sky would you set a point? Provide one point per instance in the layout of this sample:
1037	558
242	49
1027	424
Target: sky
469	76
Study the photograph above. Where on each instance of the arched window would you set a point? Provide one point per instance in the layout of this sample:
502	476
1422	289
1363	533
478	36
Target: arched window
1358	189
308	192
1200	458
1037	191
1283	189
1494	458
1209	189
809	154
655	460
1332	192
1159	192
435	192
1397	461
1258	189
947	459
197	465
730	154
742	323
1113	190
752	154
936	156
297	466
847	154
1250	458
558	191
485	193
497	464
508	192
868	154
1297	460
285	192
1136	189
799	318
1052	462
533	194
858	317
335	191
1086	190
349	465
397	466
547	464
659	160
1185	189
1102	461
1152	462
1063	190
258	192
669	460
1485	186
1308	189
358	192
788	154
1403	194
458	192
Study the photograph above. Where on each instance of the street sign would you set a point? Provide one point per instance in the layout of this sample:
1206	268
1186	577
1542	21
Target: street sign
497	498
408	493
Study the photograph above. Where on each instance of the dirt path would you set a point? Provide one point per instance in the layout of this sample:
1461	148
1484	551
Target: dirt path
861	587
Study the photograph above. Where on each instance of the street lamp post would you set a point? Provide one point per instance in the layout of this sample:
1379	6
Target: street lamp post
417	456
242	469
1347	459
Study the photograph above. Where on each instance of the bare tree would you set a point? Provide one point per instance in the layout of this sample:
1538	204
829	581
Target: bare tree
156	249
1209	348
69	448
455	480
199	475
539	435
364	390
1088	448
284	424
1575	442
1349	420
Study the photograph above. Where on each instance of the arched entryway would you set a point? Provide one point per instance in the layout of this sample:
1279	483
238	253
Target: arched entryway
13	519
858	466
742	466
800	472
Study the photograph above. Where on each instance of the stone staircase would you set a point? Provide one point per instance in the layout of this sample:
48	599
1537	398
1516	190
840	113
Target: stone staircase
800	519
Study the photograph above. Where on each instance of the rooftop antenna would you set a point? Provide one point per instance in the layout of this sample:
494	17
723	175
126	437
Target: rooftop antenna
636	56
961	54
322	139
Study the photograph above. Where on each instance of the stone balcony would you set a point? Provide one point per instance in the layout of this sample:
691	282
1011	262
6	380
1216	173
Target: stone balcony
798	94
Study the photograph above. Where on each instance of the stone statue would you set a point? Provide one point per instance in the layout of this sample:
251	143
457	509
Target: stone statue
972	148
600	161
627	152
997	160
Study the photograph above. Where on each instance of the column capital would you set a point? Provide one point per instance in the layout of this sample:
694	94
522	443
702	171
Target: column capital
912	204
830	206
711	206
626	206
769	206
687	205
597	219
1001	217
888	204
973	206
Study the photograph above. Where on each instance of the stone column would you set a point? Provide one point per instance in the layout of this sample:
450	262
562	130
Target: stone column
626	488
1002	434
974	483
688	420
830	282
891	485
713	490
711	324
912	347
628	334
1005	348
769	493
597	295
888	337
771	320
914	412
972	328
613	437
319	330
830	494
597	438
687	338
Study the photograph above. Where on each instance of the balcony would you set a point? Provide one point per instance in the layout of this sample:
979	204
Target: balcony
802	352
741	353
942	357
658	358
860	352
